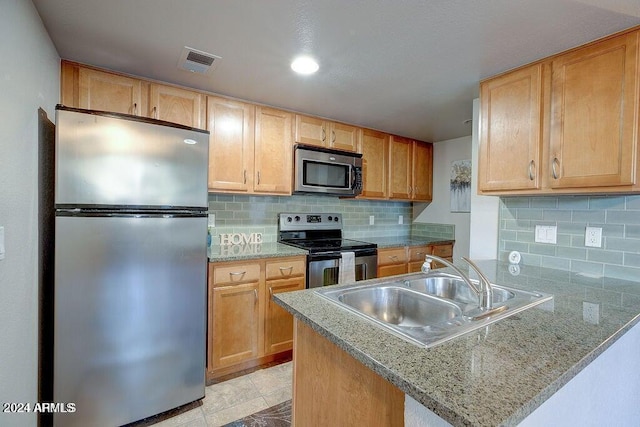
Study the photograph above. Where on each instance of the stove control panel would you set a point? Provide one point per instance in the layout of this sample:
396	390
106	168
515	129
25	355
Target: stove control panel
310	221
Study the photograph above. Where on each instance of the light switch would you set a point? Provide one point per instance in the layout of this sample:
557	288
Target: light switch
371	219
546	234
400	219
1	242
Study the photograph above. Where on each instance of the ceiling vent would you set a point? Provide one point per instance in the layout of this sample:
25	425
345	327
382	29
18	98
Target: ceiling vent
197	61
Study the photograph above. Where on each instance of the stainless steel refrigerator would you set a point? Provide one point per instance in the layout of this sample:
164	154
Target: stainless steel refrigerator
130	267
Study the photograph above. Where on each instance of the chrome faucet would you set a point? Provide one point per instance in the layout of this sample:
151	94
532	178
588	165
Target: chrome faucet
484	292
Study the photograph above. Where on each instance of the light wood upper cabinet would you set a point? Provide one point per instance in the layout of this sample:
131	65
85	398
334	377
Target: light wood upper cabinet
511	134
311	131
345	137
375	167
400	165
410	169
422	171
594	114
565	125
273	151
177	105
104	91
231	127
325	133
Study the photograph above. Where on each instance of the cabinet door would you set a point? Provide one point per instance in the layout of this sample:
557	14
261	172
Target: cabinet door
400	168
392	270
594	114
110	92
235	324
273	151
510	131
345	137
374	164
311	131
422	158
231	124
177	105
278	327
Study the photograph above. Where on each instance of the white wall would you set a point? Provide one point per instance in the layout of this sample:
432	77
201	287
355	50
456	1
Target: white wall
483	228
29	79
439	211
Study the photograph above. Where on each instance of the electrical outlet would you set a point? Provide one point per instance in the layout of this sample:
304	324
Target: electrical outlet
591	312
372	219
400	219
546	234
593	237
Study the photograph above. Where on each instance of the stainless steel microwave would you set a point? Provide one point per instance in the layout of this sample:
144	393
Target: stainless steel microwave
325	171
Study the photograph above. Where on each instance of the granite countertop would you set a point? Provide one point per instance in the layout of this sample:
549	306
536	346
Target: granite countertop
251	251
391	242
499	374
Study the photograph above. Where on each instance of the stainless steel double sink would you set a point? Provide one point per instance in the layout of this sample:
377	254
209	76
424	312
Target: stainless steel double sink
431	309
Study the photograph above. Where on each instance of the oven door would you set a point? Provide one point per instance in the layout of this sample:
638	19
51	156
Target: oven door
324	270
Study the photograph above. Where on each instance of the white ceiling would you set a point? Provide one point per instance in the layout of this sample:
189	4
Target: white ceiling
409	67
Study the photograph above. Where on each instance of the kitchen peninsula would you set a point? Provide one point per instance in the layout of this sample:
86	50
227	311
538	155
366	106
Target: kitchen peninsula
498	375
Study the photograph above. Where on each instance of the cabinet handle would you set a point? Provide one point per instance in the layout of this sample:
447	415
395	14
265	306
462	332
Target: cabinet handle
394	257
135	108
532	165
333	136
244	176
258	177
255	293
324	135
239	273
554	171
155	112
282	269
270	292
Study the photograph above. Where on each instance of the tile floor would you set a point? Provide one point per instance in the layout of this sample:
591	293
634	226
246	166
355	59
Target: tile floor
237	398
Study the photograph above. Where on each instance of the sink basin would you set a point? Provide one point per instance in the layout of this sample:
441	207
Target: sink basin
429	309
454	288
399	306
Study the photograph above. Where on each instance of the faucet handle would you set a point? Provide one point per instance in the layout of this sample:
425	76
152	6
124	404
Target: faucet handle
426	266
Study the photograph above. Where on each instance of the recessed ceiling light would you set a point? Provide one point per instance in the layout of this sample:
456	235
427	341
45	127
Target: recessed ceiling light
304	65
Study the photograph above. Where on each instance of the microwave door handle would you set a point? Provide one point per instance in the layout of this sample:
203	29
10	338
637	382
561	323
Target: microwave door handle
353	177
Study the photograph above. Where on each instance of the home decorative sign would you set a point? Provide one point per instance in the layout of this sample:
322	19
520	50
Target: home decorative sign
227	239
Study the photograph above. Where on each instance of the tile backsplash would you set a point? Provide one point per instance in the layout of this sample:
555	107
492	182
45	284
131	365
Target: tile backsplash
618	216
258	214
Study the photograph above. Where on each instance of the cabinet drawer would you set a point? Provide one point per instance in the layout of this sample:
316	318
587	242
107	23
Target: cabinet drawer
443	251
235	273
392	256
417	253
286	268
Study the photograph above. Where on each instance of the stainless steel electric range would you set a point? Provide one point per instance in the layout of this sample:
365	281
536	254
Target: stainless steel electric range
321	235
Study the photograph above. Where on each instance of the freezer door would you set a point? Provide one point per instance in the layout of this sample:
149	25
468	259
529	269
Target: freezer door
104	160
130	312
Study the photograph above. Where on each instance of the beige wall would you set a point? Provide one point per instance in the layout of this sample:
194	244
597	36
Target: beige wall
29	79
439	210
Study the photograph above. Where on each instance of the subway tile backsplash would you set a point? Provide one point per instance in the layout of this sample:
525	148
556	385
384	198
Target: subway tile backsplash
258	214
618	216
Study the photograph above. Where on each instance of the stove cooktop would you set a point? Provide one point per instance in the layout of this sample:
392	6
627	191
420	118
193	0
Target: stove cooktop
323	245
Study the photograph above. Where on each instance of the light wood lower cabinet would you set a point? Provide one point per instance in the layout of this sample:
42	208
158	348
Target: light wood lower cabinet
392	261
331	388
245	327
409	259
